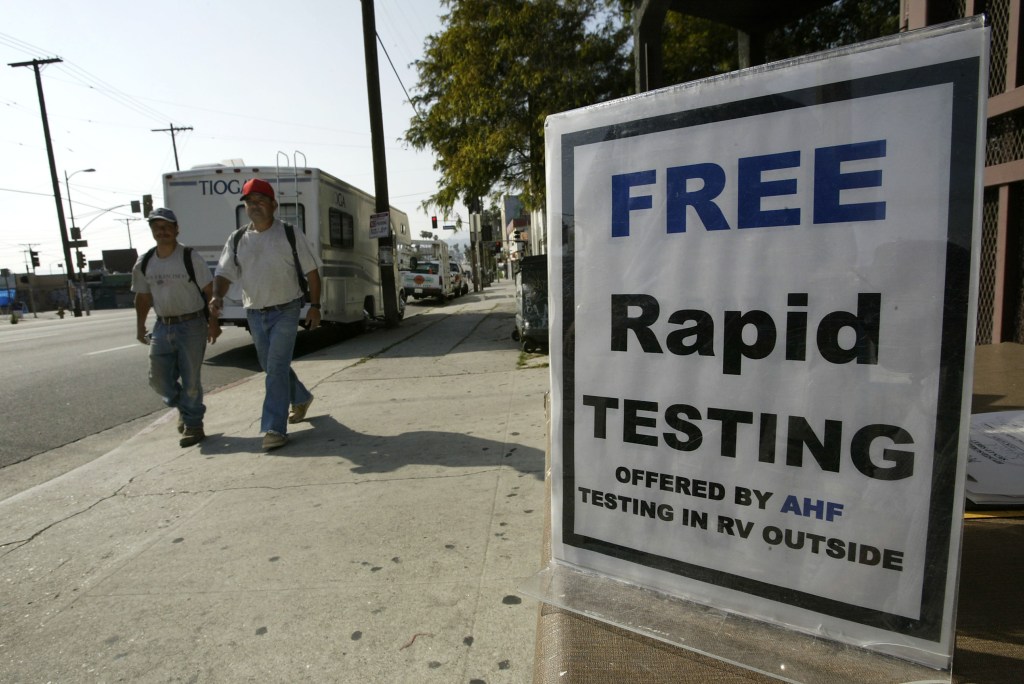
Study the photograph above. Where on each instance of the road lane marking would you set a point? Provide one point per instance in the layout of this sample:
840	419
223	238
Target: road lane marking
104	351
25	338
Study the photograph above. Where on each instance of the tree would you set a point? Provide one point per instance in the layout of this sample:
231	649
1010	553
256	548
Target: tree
695	48
842	23
491	77
498	68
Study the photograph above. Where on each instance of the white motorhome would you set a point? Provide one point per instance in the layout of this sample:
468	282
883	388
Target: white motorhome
331	215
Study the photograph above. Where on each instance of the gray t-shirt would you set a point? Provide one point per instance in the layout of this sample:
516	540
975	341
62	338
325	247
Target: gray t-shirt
167	280
266	268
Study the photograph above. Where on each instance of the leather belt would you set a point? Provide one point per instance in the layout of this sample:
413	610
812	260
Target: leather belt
276	307
167	320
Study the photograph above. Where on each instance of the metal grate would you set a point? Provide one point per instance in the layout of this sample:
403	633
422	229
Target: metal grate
1013	293
999	19
1005	138
987	272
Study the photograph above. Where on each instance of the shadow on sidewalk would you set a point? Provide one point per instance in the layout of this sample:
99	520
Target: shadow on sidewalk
387	453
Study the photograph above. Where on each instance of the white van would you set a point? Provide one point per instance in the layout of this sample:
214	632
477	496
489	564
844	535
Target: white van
428	274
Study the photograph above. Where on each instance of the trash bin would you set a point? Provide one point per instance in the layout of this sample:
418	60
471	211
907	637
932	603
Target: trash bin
531	286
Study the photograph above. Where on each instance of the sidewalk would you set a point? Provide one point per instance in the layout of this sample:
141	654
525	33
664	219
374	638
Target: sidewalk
384	543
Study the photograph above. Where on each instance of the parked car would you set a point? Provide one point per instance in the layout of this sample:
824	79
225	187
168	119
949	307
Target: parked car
426	279
460	278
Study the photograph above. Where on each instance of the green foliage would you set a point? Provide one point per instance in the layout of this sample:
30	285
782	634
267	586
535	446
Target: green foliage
842	23
694	48
498	68
491	77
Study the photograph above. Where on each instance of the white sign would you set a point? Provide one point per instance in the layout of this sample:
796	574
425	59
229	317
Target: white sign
380	224
763	298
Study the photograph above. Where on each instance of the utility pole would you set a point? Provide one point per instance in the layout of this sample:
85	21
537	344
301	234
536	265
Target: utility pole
35	64
127	225
385	245
172	129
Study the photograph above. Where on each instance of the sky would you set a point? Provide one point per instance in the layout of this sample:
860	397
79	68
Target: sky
251	79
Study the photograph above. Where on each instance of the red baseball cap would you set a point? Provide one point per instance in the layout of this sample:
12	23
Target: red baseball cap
257	185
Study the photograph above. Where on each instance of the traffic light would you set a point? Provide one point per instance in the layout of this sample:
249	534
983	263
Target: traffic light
147	205
136	207
35	258
81	260
515	236
433	222
497	247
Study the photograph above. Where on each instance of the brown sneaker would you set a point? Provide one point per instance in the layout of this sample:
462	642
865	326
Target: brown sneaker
299	411
274	440
191	436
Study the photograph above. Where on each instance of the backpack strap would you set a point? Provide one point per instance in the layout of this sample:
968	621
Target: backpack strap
145	259
289	232
236	237
191	270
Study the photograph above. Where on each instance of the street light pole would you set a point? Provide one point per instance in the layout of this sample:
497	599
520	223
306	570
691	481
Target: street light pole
75	236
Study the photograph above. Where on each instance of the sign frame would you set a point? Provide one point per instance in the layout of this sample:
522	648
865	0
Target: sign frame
927	639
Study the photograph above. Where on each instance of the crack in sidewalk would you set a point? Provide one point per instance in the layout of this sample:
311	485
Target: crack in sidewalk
20	543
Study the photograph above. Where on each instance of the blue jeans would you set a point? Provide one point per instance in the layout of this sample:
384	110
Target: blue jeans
175	364
273	333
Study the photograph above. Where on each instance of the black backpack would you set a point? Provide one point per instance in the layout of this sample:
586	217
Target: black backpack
289	232
189	268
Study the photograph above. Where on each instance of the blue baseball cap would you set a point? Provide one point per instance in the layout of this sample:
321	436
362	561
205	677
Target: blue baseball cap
162	213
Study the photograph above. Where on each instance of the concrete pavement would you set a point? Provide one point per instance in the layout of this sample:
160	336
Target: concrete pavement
384	543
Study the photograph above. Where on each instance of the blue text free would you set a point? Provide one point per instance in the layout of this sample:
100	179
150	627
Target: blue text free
829	182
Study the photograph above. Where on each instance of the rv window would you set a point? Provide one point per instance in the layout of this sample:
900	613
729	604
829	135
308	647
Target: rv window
285	212
342	229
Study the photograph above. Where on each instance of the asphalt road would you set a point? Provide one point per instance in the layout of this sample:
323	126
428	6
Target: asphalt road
64	380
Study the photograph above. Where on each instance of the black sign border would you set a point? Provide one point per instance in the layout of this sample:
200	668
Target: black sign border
964	76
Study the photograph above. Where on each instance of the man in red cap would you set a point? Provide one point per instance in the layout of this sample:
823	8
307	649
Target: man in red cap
270	259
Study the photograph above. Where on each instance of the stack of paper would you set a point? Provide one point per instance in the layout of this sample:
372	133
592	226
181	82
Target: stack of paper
995	460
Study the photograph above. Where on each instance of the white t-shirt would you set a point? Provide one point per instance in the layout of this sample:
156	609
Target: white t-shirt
266	268
167	280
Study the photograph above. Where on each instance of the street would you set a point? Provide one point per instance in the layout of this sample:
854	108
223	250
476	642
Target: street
384	543
65	380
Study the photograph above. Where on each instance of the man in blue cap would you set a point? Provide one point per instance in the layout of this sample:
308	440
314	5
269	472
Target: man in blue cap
176	282
275	267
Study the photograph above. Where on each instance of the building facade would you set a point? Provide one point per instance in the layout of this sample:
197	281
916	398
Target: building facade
1001	279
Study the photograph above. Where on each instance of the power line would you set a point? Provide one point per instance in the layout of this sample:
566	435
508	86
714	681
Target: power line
89	80
381	42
